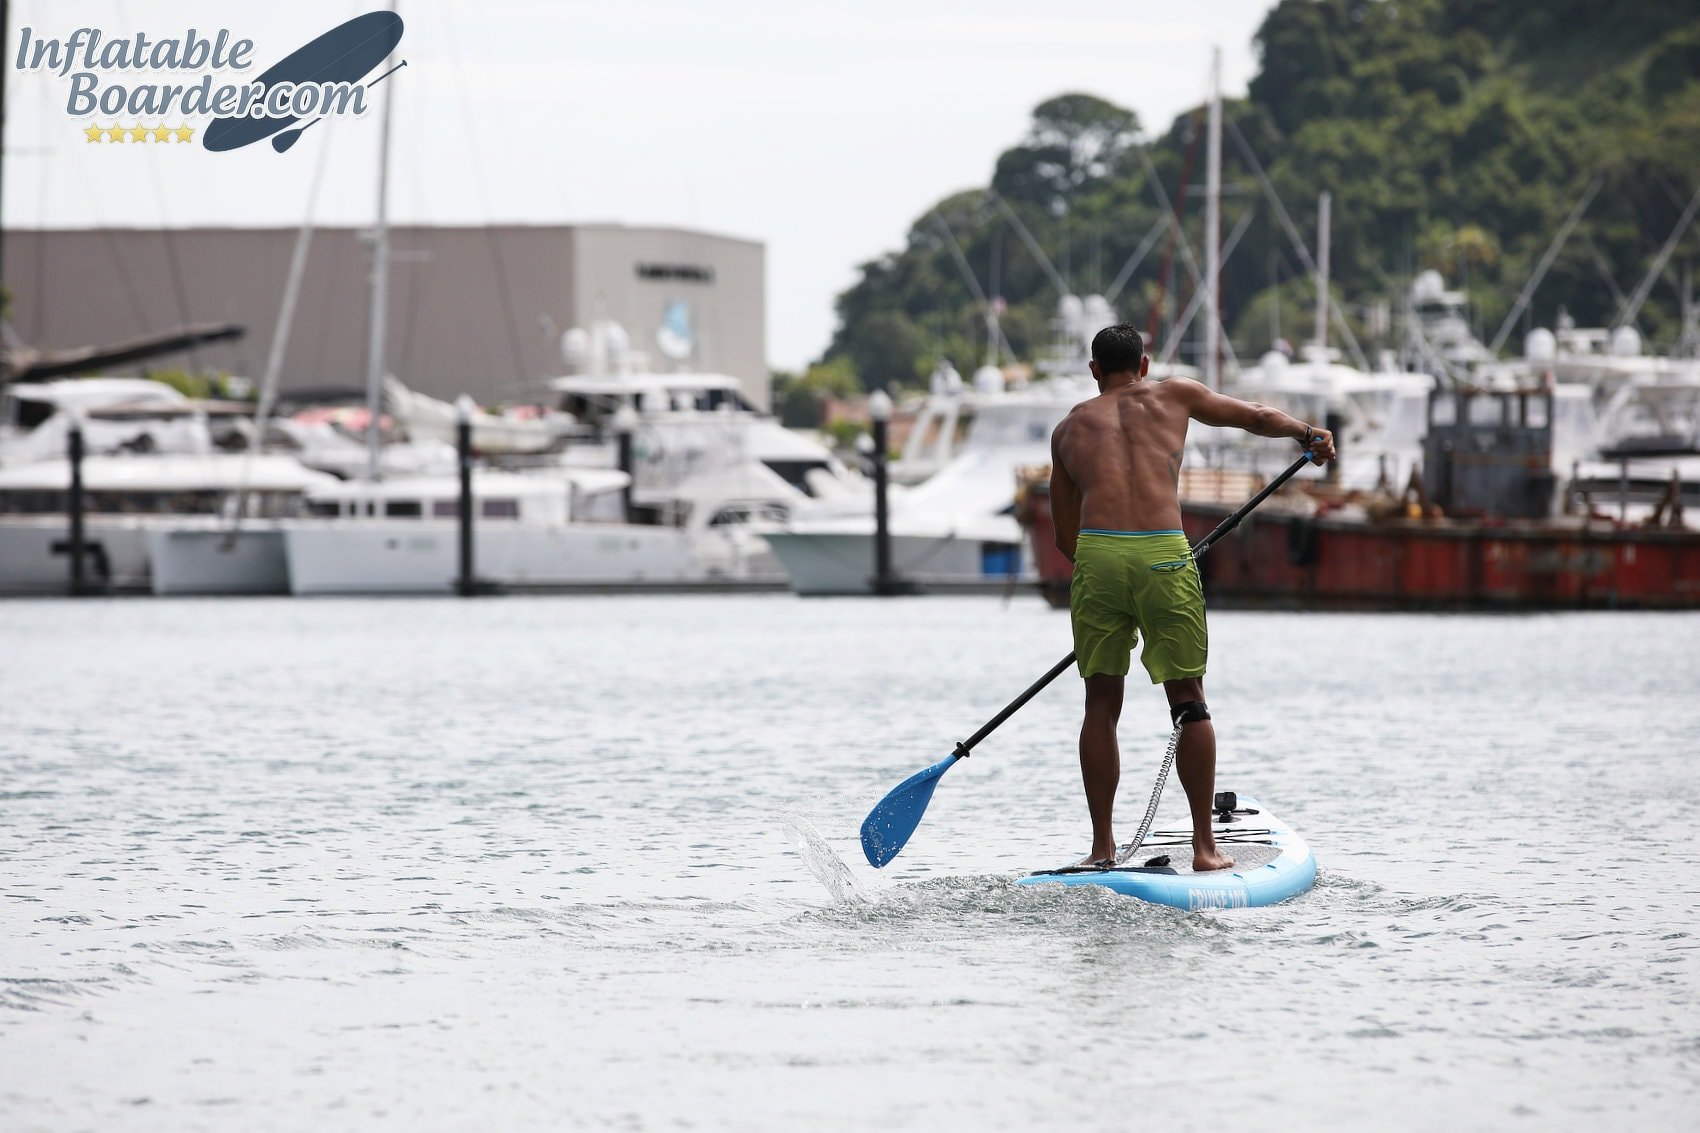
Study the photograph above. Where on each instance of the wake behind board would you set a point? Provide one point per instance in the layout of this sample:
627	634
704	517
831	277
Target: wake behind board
1271	864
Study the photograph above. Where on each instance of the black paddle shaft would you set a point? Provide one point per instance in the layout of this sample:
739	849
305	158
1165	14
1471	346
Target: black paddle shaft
1203	545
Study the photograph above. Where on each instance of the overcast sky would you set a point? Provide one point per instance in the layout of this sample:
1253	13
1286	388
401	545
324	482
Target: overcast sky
821	129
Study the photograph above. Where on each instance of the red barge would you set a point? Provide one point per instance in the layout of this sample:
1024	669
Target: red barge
1469	539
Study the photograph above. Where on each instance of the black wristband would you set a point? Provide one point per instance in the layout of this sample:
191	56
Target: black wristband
1310	435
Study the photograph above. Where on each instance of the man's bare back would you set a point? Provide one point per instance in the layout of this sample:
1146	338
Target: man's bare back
1121	453
1116	459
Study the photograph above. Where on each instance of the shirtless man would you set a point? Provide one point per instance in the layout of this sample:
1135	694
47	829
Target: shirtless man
1115	468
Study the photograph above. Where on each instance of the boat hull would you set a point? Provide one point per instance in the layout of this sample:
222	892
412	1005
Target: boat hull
423	558
248	561
1294	562
823	564
33	556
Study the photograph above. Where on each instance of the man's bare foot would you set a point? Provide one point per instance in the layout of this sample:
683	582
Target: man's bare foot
1205	860
1096	861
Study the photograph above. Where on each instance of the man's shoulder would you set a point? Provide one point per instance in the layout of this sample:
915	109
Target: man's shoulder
1183	389
1071	432
1075	412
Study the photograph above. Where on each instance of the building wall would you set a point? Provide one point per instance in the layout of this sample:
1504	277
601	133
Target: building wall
721	284
471	310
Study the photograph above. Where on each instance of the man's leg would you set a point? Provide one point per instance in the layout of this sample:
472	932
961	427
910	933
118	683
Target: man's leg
1100	760
1195	759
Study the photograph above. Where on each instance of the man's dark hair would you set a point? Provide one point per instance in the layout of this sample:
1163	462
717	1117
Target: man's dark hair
1118	349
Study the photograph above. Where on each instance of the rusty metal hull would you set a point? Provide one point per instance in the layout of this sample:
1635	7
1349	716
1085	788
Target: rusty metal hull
1292	562
1288	561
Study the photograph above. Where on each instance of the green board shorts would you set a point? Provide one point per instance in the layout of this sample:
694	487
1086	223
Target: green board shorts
1128	582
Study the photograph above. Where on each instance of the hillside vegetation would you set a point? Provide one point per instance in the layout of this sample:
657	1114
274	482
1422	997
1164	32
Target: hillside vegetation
1452	134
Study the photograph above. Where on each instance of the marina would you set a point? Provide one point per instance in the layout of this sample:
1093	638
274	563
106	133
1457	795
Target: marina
848	566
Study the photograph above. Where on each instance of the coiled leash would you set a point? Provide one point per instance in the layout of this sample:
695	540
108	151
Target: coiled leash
1183	714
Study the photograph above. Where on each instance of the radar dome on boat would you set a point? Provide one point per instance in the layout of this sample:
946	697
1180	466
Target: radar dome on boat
1625	342
945	378
615	340
1428	287
1274	365
575	348
1099	313
1070	309
1541	345
988	379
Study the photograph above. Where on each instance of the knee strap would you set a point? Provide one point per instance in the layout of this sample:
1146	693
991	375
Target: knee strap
1189	711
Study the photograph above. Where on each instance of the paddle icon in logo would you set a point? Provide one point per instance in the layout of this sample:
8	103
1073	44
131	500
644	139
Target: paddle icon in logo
345	54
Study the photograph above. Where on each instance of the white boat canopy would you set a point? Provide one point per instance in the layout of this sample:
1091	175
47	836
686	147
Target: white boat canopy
588	481
212	472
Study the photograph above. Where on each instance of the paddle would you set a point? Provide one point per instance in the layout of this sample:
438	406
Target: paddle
888	826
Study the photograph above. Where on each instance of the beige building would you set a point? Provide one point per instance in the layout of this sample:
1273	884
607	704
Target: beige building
477	310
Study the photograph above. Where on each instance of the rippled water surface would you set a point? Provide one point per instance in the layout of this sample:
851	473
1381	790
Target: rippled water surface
555	863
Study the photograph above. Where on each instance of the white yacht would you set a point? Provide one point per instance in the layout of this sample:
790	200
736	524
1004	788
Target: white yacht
1379	415
941	423
703	459
130	499
953	526
516	429
1648	410
553	528
1626	423
119	414
686	423
957	529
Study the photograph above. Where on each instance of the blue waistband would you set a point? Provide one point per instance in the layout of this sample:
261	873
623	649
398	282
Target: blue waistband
1101	531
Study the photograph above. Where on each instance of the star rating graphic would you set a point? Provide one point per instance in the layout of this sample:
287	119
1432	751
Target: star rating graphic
161	134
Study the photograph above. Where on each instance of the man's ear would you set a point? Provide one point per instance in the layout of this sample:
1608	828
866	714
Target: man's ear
1144	364
1092	364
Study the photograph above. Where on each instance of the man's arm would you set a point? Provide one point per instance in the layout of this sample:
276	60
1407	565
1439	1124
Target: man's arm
1211	408
1065	500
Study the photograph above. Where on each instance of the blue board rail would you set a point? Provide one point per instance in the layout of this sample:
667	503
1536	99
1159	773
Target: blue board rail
1290	873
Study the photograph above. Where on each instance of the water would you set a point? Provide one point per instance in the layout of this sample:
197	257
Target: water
555	863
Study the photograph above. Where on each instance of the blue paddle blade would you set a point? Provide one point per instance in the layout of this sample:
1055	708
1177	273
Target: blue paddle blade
888	826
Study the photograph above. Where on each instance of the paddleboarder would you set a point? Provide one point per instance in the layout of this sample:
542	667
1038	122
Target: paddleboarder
1115	474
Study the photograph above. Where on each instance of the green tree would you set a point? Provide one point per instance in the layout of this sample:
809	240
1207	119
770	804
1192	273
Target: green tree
1075	142
800	399
1453	134
889	352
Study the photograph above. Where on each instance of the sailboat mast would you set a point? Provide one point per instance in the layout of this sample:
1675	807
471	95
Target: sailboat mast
376	318
1213	227
1688	328
1324	205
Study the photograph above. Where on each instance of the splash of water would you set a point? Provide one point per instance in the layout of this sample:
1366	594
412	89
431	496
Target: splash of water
829	869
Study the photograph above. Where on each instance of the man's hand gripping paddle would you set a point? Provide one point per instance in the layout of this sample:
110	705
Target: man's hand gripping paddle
889	825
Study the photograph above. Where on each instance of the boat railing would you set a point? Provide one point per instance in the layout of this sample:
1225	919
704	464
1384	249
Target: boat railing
1217	485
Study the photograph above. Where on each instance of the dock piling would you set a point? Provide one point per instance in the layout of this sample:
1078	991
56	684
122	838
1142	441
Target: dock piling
879	417
75	504
465	582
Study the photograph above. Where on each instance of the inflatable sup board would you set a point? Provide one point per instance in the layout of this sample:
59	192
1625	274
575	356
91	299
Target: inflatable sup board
1271	863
